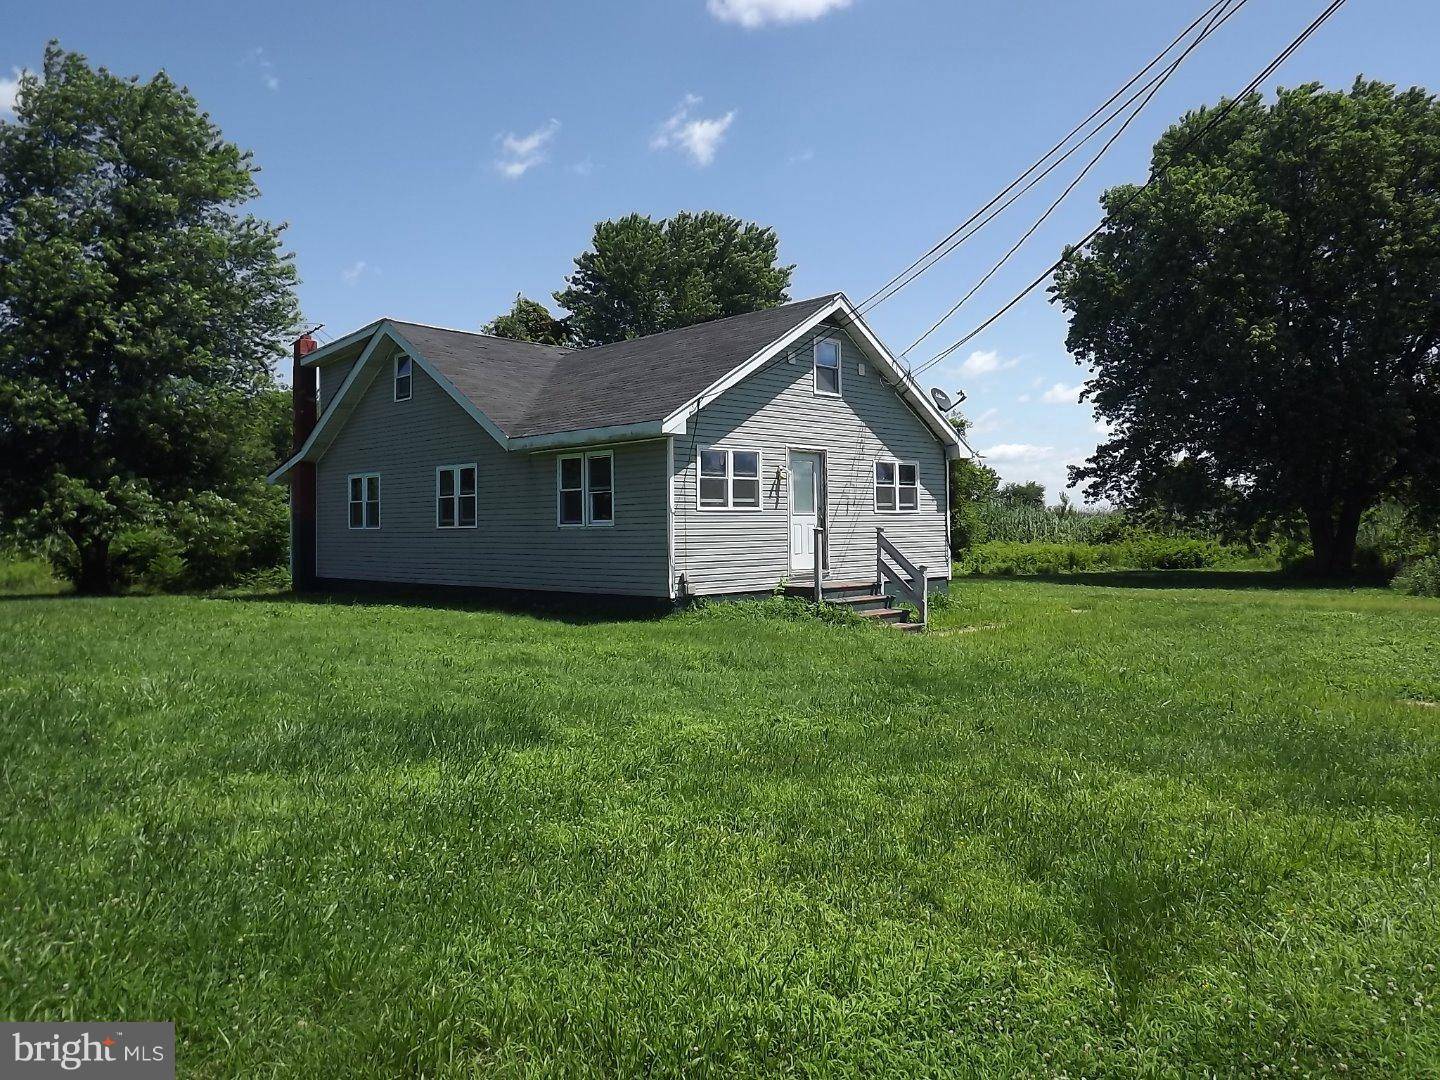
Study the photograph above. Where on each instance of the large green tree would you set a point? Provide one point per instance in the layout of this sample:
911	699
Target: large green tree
139	310
642	276
1269	310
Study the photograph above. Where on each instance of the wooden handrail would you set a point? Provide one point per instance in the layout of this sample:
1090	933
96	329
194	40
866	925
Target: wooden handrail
916	589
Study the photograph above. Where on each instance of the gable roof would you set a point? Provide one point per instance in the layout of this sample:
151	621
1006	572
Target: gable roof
530	396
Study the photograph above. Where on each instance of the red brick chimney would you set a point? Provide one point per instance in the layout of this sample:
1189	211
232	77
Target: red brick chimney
302	476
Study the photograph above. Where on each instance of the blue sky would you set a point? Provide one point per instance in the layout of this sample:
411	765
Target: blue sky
432	160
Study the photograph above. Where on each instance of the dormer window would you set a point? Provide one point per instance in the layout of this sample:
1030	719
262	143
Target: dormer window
402	377
827	367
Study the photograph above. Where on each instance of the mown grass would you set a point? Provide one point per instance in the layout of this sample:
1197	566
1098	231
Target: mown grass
1082	828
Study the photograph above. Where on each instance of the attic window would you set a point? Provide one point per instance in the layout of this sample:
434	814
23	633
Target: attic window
402	377
827	367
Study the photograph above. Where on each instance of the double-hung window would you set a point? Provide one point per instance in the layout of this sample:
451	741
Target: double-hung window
729	480
403	373
455	497
827	367
897	486
364	500
585	489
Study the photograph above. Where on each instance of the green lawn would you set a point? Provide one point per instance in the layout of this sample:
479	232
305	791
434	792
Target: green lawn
1126	824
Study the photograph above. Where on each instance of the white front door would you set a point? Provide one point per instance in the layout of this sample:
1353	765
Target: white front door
807	496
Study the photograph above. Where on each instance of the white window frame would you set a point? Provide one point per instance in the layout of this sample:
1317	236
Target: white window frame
839	390
364	479
409	377
455	470
730	507
875	486
587	521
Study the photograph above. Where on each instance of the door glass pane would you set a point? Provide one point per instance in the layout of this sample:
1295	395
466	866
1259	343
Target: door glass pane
572	508
570	472
599	473
712	462
803	488
746	463
467	511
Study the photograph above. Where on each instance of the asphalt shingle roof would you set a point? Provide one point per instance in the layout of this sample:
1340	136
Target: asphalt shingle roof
529	389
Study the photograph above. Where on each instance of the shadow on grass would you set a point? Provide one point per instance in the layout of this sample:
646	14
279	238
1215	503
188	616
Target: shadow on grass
576	609
1187	579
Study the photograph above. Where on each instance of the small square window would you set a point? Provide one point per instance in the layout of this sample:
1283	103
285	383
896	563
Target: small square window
729	480
897	486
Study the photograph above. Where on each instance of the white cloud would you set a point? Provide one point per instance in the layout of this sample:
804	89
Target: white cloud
521	153
356	270
802	157
700	137
266	66
583	168
1013	453
9	89
984	361
756	13
1023	399
1060	394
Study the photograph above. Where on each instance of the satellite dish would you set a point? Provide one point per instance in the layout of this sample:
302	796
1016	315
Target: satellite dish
943	401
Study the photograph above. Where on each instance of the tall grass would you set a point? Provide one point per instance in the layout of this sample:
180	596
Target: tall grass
1023	524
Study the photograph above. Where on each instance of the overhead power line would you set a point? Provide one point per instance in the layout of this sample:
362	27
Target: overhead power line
1156	84
1156	174
953	239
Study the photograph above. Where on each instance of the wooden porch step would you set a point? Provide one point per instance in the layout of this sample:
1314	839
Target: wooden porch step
886	613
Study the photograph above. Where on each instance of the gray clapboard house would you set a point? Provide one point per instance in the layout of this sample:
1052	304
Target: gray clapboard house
709	460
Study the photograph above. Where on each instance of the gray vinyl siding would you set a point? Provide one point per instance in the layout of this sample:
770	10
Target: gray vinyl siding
776	409
331	377
517	543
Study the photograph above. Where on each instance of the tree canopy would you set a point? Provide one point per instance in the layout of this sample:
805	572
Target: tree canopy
529	320
641	276
1268	312
140	312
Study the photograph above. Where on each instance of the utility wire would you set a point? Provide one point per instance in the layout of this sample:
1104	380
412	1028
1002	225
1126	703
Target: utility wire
1156	84
1156	174
895	284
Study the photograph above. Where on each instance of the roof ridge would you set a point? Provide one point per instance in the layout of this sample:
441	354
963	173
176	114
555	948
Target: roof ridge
477	333
709	322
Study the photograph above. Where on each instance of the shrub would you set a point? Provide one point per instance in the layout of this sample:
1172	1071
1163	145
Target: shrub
1420	577
1137	553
